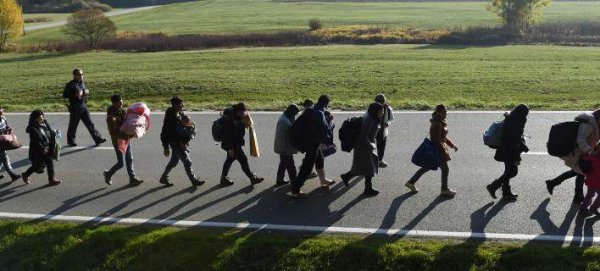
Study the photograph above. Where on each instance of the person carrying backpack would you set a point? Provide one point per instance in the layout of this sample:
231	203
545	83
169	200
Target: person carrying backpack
4	159
388	118
588	135
234	130
364	158
438	132
115	116
313	133
509	152
172	142
40	148
283	145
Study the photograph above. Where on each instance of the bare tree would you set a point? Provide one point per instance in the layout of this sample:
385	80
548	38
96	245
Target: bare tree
91	26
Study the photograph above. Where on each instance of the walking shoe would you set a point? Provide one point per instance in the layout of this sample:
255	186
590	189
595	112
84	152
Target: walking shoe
491	190
197	182
165	181
282	182
313	174
225	181
135	181
577	199
383	164
15	177
256	180
370	192
72	144
54	181
412	187
550	186
299	195
327	184
26	179
102	140
448	193
107	178
507	194
345	179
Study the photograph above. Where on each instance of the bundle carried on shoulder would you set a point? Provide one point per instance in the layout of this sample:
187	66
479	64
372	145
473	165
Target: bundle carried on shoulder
349	132
137	120
492	137
562	139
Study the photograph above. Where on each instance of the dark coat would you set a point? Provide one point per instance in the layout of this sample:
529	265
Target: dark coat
234	131
365	161
513	143
40	141
71	90
169	129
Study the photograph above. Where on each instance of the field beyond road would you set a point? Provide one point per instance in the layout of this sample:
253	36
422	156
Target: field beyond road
412	76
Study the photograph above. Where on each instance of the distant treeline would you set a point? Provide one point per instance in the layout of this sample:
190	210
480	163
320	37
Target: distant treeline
60	6
140	3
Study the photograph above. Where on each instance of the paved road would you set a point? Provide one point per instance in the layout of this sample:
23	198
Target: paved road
472	210
108	14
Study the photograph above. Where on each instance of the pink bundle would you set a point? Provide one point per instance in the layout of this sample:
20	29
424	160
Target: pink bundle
135	124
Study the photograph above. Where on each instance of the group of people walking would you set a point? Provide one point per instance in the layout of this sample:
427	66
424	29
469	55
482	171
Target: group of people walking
309	130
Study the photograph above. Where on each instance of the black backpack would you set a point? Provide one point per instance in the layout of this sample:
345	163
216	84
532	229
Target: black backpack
301	131
562	139
349	133
218	127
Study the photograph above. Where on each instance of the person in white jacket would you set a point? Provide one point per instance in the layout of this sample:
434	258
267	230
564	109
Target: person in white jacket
588	136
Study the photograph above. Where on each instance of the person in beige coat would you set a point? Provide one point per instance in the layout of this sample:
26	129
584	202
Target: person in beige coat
588	136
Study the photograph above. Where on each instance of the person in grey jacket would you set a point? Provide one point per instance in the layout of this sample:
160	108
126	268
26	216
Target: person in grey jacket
364	160
4	159
283	145
388	118
588	136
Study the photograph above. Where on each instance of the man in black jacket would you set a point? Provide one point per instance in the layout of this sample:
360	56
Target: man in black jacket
171	141
77	93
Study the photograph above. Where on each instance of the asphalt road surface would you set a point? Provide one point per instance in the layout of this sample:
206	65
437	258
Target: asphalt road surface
84	192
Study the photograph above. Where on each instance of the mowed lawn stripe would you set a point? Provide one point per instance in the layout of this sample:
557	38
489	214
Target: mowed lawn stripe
412	76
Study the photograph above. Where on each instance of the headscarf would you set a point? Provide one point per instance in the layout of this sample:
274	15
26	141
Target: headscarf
519	113
380	98
436	116
373	110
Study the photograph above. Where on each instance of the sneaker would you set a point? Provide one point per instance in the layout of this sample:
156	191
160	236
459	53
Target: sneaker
371	192
299	195
225	181
312	175
550	187
282	182
165	181
54	182
256	180
509	197
107	178
197	182
102	140
26	179
491	191
135	181
448	193
383	164
15	177
328	183
345	179
412	187
72	144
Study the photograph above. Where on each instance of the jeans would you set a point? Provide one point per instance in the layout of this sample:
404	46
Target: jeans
179	153
240	156
128	160
81	113
445	172
286	162
313	158
5	161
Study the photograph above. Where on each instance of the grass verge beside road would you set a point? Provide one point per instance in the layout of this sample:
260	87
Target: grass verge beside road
67	246
412	76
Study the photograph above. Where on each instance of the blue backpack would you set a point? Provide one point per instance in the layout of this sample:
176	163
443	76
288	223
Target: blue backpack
492	137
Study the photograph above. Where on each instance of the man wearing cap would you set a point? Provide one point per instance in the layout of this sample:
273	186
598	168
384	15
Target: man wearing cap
170	141
77	93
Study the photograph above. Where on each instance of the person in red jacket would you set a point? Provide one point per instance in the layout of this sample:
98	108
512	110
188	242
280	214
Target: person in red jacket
590	165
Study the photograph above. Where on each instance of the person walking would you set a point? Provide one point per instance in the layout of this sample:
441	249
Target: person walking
41	146
4	159
309	104
327	148
115	116
314	134
283	145
171	142
590	167
77	93
509	152
588	136
388	118
234	130
438	132
364	157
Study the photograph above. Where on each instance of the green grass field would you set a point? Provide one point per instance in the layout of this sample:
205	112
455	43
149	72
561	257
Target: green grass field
66	246
412	76
244	16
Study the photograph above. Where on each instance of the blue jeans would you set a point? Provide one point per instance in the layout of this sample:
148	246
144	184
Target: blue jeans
128	157
178	153
5	161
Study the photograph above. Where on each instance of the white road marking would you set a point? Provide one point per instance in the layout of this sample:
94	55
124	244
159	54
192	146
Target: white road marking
303	228
280	112
536	153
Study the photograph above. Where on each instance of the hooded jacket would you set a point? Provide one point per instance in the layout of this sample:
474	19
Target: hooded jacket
40	136
513	143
